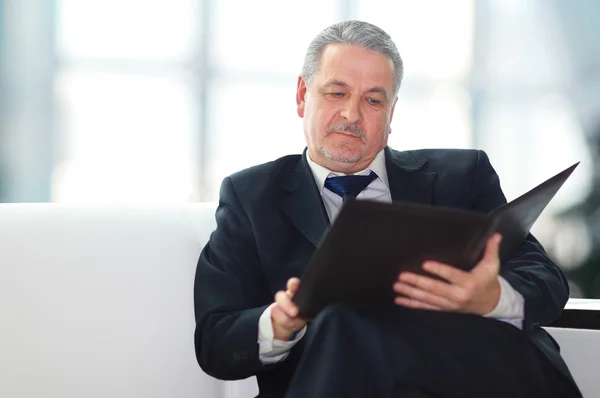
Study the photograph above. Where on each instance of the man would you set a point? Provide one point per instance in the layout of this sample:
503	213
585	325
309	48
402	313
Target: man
476	335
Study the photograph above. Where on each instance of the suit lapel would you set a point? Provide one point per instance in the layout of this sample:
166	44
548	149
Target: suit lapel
304	205
408	182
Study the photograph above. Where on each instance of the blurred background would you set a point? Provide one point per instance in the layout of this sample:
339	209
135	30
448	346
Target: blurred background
155	101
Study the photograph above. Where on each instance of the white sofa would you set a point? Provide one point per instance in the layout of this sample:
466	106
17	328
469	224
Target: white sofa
97	302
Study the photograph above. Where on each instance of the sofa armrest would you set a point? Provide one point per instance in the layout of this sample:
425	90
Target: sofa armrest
578	334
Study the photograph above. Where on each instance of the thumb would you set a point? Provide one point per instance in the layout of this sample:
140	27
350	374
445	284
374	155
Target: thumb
292	286
492	250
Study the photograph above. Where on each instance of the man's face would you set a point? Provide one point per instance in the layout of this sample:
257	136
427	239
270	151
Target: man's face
347	107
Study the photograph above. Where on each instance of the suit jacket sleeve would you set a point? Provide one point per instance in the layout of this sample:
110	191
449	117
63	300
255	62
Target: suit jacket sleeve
230	294
530	271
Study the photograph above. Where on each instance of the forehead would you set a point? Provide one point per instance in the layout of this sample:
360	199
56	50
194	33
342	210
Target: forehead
356	67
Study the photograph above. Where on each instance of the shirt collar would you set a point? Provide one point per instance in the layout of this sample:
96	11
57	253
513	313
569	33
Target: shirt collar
321	173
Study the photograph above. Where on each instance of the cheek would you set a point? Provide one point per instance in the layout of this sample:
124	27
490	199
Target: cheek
323	118
378	125
313	123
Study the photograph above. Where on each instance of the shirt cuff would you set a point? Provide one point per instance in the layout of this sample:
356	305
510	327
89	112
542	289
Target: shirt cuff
510	307
271	350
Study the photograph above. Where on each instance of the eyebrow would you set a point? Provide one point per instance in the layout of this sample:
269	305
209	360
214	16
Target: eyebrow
340	83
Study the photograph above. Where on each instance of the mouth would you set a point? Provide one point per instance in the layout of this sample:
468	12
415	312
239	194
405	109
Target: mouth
346	134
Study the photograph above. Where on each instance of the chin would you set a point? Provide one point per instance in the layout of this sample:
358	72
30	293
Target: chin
342	155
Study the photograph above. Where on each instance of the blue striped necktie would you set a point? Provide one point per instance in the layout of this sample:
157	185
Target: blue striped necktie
348	187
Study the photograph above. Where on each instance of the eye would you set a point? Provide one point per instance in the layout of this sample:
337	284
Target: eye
337	95
373	101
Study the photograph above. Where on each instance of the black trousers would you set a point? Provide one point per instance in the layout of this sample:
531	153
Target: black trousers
354	352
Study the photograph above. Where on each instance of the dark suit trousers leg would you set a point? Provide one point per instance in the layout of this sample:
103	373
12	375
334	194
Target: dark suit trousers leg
352	352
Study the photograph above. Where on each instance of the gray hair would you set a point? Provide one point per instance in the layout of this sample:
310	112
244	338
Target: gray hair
362	34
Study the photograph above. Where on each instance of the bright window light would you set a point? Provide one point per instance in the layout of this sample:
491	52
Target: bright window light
127	138
126	29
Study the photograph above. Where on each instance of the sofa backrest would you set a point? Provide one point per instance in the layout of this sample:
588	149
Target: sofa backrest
98	301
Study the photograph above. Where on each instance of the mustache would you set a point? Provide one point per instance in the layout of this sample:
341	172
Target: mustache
348	128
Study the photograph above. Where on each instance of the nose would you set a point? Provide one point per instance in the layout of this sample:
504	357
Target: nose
351	110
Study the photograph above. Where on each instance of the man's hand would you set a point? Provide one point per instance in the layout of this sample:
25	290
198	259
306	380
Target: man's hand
474	292
284	314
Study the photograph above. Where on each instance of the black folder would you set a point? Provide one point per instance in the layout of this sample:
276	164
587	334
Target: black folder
370	243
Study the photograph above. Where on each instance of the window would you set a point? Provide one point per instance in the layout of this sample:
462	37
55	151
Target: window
127	100
158	104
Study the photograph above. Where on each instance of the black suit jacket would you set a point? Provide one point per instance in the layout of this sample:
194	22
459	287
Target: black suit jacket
270	219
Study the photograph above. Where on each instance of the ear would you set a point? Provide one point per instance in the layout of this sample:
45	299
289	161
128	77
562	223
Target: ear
300	96
391	118
393	109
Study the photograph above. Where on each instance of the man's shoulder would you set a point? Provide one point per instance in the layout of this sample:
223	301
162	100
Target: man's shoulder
460	176
263	179
447	159
267	170
444	155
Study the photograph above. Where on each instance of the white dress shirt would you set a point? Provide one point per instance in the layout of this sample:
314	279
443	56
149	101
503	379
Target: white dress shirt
510	307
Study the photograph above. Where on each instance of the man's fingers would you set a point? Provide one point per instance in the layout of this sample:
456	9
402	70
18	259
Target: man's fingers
492	249
430	298
283	320
284	301
292	286
416	304
490	263
284	313
449	273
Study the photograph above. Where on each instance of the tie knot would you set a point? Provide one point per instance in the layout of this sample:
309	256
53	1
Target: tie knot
349	186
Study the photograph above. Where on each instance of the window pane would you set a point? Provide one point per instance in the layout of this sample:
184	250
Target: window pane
129	29
434	37
246	38
432	119
542	136
125	138
252	124
524	48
